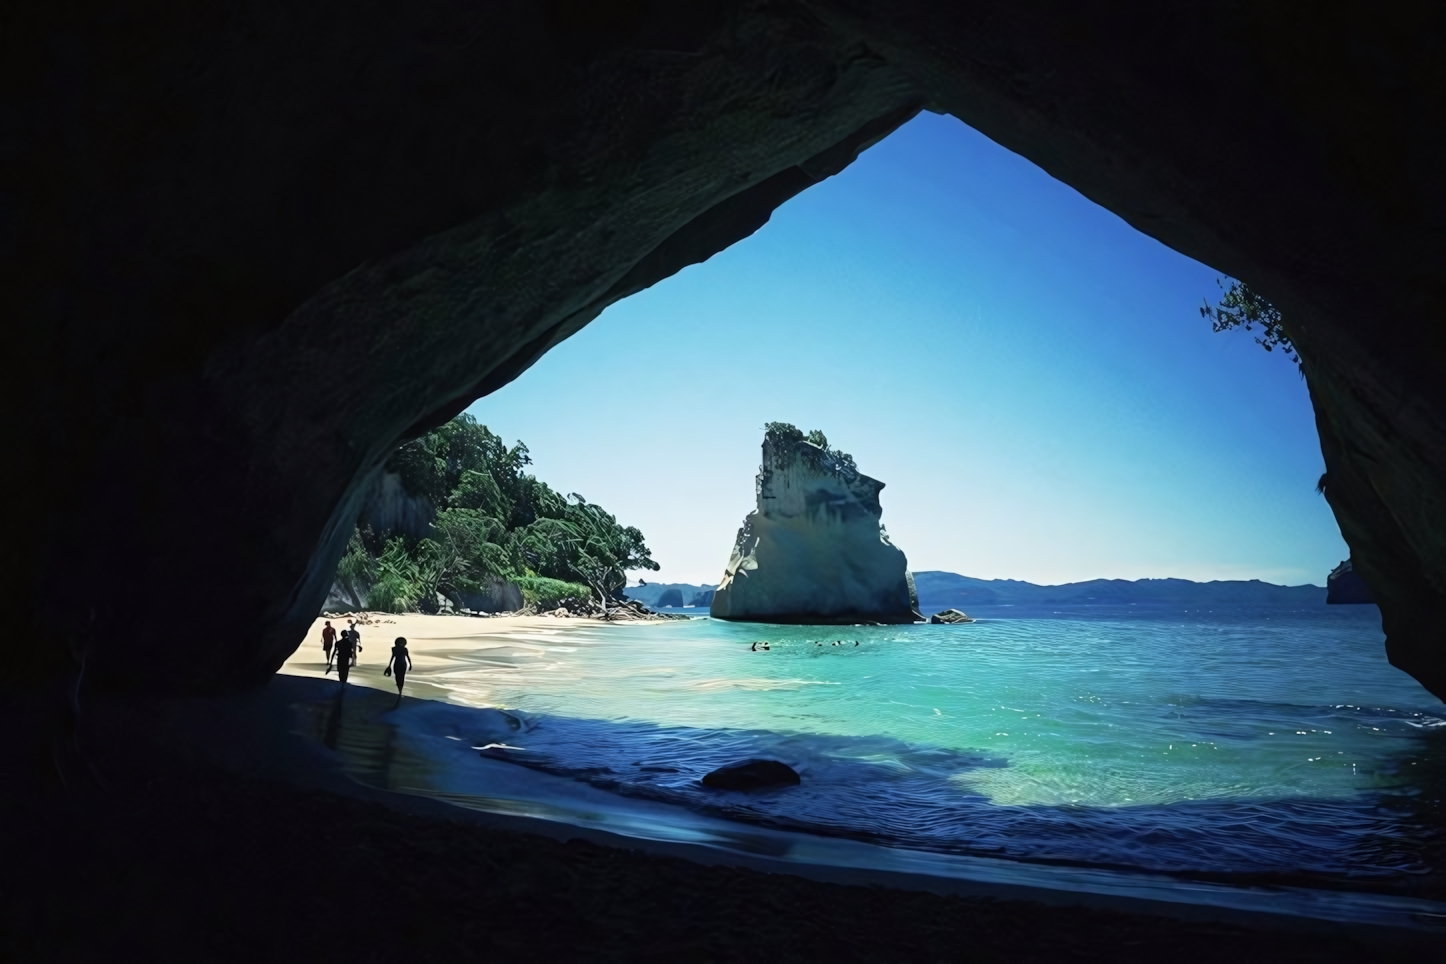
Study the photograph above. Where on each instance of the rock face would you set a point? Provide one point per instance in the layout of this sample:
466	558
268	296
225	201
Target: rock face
1344	586
498	596
241	268
814	550
752	775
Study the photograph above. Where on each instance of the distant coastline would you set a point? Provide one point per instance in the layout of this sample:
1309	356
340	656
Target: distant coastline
944	590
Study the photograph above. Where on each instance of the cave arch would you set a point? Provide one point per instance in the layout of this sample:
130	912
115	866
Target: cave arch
249	251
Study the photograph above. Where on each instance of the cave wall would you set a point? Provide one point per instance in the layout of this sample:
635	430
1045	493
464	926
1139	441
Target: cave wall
249	247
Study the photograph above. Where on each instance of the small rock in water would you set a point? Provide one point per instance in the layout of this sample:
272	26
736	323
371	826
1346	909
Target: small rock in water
752	775
950	616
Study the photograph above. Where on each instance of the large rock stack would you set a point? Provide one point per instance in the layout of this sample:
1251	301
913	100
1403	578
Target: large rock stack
814	550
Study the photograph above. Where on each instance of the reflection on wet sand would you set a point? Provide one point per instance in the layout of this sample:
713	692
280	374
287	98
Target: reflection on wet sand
361	727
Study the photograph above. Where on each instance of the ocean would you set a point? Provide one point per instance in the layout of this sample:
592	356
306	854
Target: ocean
1270	745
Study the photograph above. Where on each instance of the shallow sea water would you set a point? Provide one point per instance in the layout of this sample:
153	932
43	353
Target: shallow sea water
1266	745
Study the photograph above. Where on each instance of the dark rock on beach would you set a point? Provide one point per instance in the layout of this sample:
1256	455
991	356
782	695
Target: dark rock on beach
497	595
752	775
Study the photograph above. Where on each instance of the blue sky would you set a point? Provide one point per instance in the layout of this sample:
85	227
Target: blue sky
1028	374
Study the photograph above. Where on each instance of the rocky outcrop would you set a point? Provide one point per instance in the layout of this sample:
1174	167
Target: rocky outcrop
752	775
670	599
496	596
814	550
950	617
342	598
1344	586
240	268
391	509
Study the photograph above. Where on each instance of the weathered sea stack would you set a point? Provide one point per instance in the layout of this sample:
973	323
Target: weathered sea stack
814	550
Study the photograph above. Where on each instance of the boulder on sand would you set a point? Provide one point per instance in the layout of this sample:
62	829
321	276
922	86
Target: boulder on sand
495	595
752	775
813	551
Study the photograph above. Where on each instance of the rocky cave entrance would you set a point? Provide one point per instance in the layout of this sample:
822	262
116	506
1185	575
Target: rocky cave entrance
313	254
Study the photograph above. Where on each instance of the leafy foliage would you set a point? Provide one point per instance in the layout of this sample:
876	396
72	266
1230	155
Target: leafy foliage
833	459
493	521
540	592
1242	307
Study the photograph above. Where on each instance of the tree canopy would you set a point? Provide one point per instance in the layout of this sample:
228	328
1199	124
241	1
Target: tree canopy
492	519
832	458
1242	307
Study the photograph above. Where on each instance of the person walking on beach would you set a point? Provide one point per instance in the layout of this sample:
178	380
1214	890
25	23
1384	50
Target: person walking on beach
336	648
401	661
356	642
328	640
345	653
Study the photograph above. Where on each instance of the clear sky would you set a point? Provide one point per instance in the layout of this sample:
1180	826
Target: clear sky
1028	374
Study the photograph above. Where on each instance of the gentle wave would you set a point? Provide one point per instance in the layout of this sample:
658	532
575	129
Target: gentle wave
1195	743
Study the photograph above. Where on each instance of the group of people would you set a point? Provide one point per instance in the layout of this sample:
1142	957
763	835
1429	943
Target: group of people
837	642
343	649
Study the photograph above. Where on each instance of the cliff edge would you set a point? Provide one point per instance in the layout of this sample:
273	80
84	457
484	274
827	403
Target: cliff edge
814	550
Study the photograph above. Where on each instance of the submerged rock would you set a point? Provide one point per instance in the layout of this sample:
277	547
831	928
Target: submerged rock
752	775
814	550
951	616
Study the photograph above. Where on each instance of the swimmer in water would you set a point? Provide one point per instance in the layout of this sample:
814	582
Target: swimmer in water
753	648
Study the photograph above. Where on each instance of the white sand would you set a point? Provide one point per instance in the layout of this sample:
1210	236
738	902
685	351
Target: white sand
433	642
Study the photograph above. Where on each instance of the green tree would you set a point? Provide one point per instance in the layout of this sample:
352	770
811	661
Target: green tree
493	520
355	572
1242	307
831	459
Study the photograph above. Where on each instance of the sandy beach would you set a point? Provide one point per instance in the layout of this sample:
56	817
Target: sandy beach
434	642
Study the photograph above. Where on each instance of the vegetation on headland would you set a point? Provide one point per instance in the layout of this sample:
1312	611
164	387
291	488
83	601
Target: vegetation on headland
1242	307
832	459
490	521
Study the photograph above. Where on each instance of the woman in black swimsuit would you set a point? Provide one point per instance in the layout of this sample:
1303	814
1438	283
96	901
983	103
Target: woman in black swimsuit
401	662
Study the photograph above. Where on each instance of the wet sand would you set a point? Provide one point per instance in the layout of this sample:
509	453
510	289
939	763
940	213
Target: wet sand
206	829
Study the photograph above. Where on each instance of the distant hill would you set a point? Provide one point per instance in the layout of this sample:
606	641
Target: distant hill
944	590
949	590
671	595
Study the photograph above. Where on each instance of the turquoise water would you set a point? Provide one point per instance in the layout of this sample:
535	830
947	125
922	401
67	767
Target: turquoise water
1276	743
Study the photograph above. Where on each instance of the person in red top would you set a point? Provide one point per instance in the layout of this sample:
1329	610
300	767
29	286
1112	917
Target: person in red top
328	639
